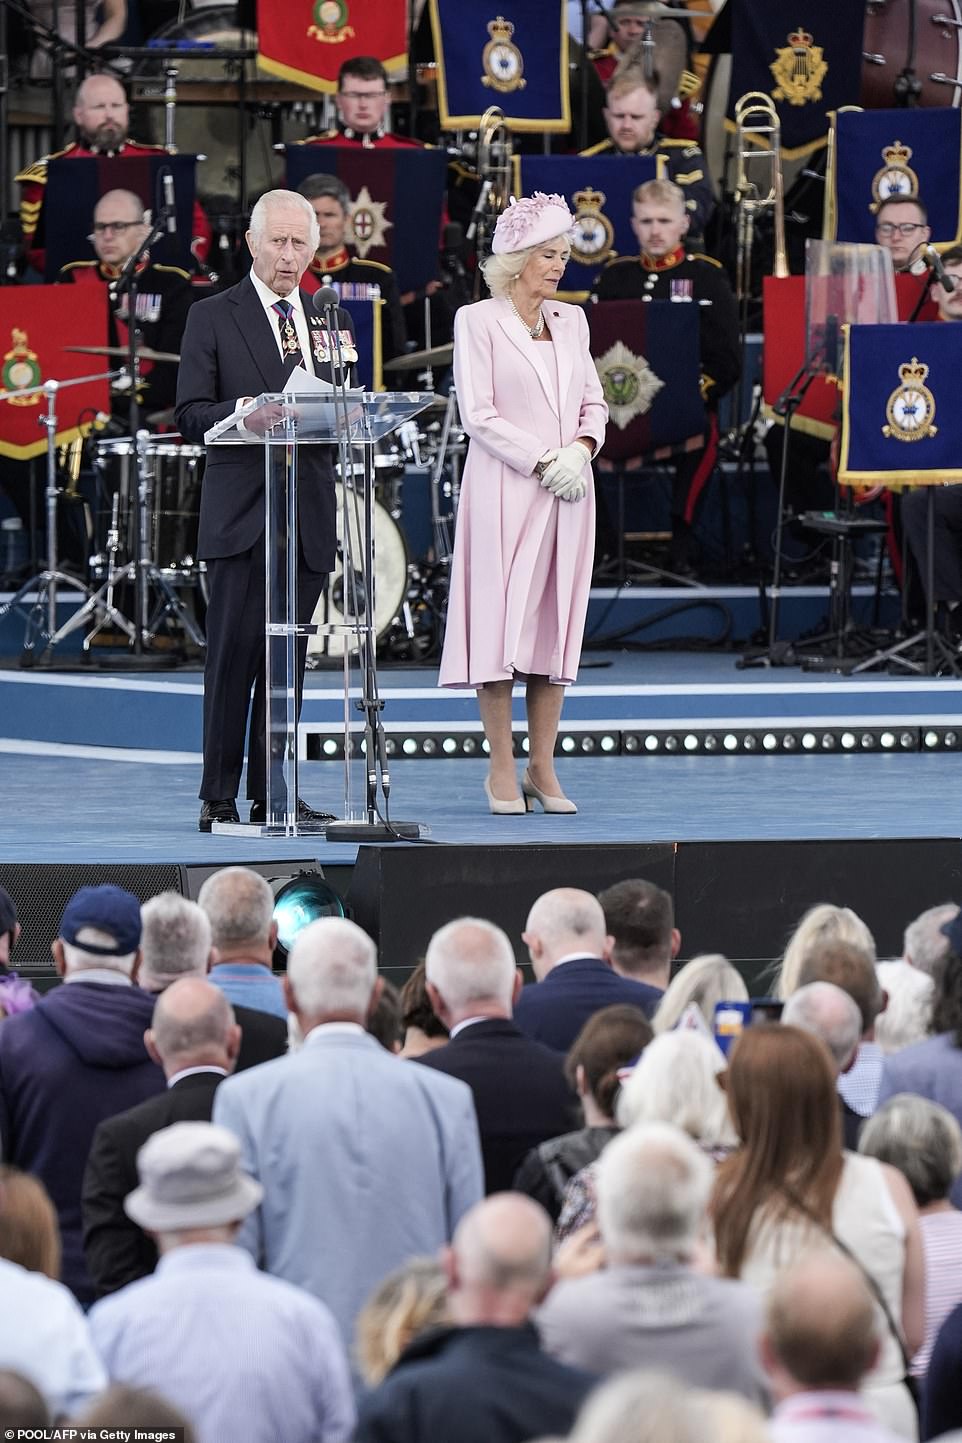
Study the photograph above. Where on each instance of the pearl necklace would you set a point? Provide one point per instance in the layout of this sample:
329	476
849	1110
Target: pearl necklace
533	331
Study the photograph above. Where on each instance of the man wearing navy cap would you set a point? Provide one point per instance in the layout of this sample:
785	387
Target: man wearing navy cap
77	1058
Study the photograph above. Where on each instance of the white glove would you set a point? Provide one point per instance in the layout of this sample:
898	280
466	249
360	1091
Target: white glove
564	474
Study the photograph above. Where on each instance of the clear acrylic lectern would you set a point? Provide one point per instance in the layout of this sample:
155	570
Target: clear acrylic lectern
357	420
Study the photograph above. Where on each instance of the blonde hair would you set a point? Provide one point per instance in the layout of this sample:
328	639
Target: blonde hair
659	192
500	272
822	926
705	980
406	1303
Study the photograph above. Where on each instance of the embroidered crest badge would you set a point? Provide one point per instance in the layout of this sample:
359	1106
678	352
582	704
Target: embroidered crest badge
592	235
799	69
629	384
501	60
896	178
369	222
331	25
910	409
21	369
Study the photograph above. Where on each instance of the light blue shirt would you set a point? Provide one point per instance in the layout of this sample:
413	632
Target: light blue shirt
250	984
246	1357
44	1335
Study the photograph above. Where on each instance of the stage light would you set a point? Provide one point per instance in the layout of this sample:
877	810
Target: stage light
449	746
331	747
887	741
525	745
567	745
485	747
770	741
731	742
907	740
691	742
750	743
828	741
789	741
652	743
409	746
587	745
848	741
469	746
609	744
809	741
298	901
711	742
390	746
951	739
931	739
631	743
671	743
429	747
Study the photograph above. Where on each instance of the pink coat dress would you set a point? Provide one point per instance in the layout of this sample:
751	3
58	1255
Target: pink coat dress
522	559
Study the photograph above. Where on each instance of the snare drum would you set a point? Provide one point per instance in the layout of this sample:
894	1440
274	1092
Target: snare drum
340	603
174	472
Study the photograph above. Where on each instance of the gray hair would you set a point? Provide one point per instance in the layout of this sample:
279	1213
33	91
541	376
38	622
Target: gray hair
921	1138
908	1016
925	945
567	918
78	959
272	199
239	904
175	941
332	967
705	980
676	1081
829	1013
190	1016
470	960
822	926
640	1407
313	187
653	1187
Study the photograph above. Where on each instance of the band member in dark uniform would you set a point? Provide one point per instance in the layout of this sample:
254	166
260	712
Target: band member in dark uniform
665	270
238	344
164	294
334	264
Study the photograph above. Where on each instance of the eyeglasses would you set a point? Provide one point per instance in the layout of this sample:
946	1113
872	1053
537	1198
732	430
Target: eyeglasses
905	227
363	94
104	227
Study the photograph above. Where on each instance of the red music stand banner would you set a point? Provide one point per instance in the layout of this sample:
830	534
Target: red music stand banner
37	325
307	41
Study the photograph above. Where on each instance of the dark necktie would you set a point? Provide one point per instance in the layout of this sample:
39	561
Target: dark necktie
290	345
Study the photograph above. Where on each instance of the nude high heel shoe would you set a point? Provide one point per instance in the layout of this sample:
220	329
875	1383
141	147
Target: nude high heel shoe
515	808
560	805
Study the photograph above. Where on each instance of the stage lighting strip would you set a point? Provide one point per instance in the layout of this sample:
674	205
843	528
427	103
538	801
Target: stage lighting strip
805	737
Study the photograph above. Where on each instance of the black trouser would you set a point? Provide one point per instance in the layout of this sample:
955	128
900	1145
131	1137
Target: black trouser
947	543
235	667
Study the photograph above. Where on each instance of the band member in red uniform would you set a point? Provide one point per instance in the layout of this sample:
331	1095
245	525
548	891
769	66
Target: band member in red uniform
101	115
362	97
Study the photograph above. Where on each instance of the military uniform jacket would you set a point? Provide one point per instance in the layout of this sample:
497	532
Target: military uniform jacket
344	268
164	296
641	277
685	165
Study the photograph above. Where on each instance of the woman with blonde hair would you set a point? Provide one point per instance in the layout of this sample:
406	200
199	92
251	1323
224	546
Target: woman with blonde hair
533	407
705	980
822	926
408	1302
790	1188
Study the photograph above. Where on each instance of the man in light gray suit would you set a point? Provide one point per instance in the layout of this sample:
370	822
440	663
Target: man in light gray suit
366	1159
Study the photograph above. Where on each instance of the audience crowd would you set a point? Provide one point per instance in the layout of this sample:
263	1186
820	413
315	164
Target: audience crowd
287	1206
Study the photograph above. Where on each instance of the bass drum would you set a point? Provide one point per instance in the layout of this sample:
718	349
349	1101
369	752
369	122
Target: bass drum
342	603
887	51
210	126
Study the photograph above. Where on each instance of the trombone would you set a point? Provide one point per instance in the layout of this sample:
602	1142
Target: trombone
758	183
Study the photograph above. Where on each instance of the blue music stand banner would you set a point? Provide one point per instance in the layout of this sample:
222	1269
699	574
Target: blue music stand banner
366	315
598	189
904	153
397	199
901	419
647	357
513	54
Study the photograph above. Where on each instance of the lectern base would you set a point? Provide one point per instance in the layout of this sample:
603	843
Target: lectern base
361	831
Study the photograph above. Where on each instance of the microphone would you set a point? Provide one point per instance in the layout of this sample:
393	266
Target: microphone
934	261
170	209
326	300
479	209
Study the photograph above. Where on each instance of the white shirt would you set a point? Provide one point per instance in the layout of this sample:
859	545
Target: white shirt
268	300
193	1071
44	1335
827	1417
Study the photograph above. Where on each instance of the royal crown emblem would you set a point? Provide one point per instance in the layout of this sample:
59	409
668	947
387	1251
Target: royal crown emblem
799	69
369	222
910	410
501	60
896	178
628	382
21	369
592	235
331	25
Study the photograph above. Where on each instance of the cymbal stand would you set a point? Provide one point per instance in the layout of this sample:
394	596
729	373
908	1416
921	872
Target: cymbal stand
41	616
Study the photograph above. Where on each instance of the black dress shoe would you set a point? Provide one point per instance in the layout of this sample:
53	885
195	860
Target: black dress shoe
306	815
211	812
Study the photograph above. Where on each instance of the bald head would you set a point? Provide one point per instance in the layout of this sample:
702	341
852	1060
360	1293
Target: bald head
829	1013
100	112
499	1261
193	1026
820	1330
562	922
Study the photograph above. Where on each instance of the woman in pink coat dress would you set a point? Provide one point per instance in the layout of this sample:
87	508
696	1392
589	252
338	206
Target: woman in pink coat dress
532	404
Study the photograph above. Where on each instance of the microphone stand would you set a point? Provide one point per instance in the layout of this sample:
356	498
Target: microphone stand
376	826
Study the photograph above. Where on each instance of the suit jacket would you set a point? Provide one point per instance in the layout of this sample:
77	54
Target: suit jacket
117	1250
520	1092
555	1010
229	351
366	1160
263	1037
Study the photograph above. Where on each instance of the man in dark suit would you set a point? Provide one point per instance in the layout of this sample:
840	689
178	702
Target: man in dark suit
520	1092
177	943
567	942
245	341
194	1038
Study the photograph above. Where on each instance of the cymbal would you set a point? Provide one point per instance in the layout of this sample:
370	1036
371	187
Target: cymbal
419	360
144	353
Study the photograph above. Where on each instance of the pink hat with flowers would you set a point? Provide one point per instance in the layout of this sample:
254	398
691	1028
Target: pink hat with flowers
530	222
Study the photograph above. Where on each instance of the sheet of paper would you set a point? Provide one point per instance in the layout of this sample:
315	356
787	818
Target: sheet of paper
303	382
